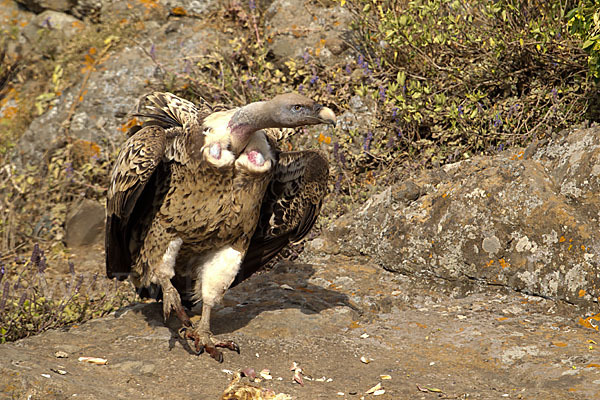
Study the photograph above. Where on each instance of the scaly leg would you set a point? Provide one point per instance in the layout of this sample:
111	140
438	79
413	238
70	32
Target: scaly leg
204	339
172	302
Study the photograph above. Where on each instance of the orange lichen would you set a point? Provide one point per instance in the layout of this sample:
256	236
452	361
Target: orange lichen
129	124
590	322
180	11
324	139
149	4
581	293
10	112
354	325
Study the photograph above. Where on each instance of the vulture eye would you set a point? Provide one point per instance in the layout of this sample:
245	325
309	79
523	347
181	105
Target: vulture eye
296	108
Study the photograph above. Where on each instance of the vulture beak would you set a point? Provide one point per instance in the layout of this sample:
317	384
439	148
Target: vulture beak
327	116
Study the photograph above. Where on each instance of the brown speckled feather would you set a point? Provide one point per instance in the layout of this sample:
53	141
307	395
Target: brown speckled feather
141	176
164	191
201	198
289	209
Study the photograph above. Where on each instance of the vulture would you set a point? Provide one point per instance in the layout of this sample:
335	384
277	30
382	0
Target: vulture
201	197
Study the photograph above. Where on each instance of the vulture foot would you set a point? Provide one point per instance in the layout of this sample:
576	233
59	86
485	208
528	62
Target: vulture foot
204	341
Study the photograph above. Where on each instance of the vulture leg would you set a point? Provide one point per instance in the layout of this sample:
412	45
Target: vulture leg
217	274
162	276
172	302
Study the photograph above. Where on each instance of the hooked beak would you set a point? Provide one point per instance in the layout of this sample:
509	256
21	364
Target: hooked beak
327	116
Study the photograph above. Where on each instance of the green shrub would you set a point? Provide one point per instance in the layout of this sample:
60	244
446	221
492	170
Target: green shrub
584	23
457	78
30	303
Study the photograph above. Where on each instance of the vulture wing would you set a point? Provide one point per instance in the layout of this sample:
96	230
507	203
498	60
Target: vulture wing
289	209
134	168
141	175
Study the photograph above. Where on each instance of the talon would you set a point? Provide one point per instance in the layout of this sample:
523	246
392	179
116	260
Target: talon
229	344
214	353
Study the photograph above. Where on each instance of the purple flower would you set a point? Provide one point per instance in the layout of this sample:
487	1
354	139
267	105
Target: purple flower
460	110
152	51
314	79
71	268
306	57
22	300
336	149
4	295
343	160
252	4
391	141
361	60
394	112
367	142
1	272
36	254
382	91
300	88
338	183
497	120
348	69
69	169
500	147
79	283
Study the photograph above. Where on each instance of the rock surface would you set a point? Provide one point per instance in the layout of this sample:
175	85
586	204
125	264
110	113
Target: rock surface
433	339
524	219
85	224
314	32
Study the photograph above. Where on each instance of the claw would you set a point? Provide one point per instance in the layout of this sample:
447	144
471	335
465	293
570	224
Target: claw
214	353
207	343
229	344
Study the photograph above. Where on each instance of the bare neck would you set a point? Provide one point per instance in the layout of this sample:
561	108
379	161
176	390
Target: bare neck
251	118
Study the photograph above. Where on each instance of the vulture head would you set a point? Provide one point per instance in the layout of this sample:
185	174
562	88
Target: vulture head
289	110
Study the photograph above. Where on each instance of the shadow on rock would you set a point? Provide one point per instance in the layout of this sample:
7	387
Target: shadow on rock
283	300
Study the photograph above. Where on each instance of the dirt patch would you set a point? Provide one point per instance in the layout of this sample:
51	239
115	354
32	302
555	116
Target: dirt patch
434	339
